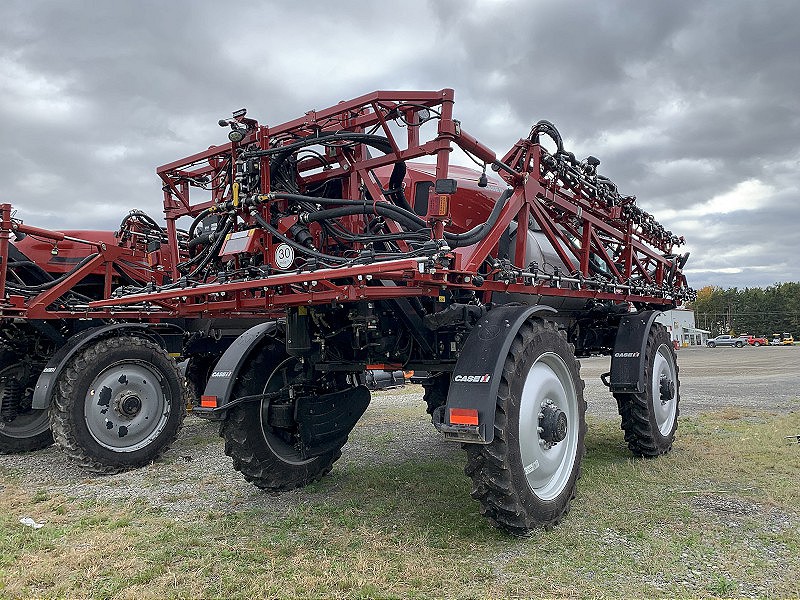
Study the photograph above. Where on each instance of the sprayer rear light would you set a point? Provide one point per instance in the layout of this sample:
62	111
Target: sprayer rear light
463	416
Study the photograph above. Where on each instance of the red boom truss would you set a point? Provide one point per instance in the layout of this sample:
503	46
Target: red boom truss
611	249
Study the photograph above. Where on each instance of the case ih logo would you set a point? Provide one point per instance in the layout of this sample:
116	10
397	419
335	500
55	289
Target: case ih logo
473	378
222	373
626	355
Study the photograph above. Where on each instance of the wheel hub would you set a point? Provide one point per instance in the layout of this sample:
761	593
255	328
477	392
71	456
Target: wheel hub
129	405
552	424
666	388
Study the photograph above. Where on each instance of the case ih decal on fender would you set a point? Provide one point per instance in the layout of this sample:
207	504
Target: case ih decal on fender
222	374
473	378
626	355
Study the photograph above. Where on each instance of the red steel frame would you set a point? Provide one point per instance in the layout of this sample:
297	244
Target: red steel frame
639	256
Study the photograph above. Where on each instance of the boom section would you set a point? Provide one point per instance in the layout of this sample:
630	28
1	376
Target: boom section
360	201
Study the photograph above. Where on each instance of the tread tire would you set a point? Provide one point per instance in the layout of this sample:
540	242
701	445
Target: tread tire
642	433
436	387
70	430
498	475
15	444
244	438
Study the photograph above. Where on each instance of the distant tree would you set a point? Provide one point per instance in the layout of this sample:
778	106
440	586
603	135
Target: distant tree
757	311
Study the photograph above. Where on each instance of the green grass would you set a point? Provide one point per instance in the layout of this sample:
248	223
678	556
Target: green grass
720	516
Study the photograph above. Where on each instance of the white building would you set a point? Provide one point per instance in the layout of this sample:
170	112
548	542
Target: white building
680	324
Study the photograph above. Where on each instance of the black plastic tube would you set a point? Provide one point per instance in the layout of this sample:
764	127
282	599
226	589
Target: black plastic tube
413	217
478	232
363	209
46	286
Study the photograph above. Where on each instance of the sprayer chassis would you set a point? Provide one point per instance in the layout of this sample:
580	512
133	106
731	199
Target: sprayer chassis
496	316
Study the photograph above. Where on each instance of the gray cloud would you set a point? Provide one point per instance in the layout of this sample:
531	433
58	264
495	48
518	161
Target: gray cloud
683	102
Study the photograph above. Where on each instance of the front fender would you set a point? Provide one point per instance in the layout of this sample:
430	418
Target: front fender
223	378
45	385
476	377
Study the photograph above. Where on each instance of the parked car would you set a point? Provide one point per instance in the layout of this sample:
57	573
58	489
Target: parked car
726	340
757	341
785	339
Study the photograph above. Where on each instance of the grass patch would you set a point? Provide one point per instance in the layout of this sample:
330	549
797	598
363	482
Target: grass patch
720	516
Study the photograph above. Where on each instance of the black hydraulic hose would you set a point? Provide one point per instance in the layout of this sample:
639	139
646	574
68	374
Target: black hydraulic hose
551	131
396	192
49	284
213	249
297	246
376	141
362	209
200	239
142	215
283	152
478	232
203	214
406	217
407	214
30	266
209	250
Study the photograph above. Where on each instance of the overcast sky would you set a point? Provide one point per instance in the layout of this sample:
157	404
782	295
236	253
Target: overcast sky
693	107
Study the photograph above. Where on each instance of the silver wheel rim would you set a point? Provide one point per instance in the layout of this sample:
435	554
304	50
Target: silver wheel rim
664	405
548	469
28	424
127	406
279	447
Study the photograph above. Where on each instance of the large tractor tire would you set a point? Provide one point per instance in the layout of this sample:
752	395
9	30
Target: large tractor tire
22	429
527	477
198	371
269	456
119	404
650	419
436	386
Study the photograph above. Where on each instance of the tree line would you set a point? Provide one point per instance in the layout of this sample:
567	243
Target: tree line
756	311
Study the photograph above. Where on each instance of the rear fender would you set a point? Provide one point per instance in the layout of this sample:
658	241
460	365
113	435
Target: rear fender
45	385
476	378
223	378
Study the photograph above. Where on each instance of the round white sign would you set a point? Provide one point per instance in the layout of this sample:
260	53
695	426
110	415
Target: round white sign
284	256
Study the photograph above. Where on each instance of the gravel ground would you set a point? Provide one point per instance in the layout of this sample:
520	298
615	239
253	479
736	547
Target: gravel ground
196	475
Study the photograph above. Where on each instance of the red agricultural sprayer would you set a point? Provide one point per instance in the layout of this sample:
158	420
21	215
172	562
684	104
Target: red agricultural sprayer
349	242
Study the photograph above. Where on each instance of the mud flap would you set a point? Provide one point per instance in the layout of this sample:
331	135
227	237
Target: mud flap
627	361
472	397
325	421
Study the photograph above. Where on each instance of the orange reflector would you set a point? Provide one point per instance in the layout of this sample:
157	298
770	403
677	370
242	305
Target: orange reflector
463	416
208	401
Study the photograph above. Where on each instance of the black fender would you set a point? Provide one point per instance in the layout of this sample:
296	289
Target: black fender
627	361
476	377
226	371
43	393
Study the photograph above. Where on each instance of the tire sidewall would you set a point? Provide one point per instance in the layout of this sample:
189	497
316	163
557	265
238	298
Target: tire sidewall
545	340
145	353
269	355
661	338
